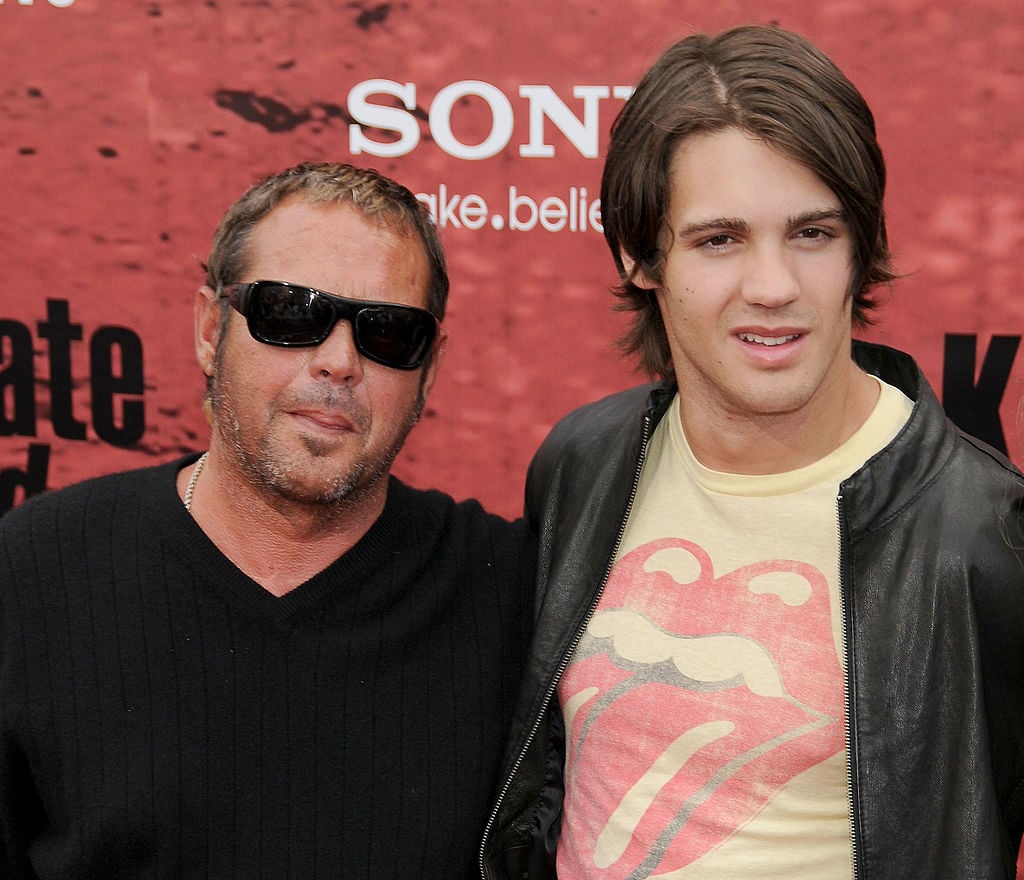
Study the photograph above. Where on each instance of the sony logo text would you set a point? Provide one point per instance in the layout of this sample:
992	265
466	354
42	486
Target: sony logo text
542	104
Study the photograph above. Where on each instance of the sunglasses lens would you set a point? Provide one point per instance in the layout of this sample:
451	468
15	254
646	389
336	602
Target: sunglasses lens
286	315
394	336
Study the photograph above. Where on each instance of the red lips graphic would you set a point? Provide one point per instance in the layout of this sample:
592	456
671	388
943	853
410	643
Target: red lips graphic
694	700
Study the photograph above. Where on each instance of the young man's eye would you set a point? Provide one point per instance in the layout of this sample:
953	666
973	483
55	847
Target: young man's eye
815	233
716	242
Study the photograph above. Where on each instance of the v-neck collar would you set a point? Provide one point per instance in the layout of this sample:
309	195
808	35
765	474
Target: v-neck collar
344	580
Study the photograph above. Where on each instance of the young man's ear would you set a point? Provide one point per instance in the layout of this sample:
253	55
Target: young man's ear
640	279
206	324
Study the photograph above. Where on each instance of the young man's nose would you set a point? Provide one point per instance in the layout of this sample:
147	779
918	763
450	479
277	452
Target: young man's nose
769	277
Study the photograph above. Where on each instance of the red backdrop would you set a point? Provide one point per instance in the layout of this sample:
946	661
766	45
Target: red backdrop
129	127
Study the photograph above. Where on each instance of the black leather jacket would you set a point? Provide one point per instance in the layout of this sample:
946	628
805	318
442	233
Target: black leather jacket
932	580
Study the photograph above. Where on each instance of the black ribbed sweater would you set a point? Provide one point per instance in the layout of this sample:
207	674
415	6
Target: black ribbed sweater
163	716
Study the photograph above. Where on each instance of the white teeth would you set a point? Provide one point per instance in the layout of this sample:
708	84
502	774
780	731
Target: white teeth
767	340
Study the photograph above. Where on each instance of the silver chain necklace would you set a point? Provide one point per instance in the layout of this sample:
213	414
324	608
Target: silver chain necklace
191	487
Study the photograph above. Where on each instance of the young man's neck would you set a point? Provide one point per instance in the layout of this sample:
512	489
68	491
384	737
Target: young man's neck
758	444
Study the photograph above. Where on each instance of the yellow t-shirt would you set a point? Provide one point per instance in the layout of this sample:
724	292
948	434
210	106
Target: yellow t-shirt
704	705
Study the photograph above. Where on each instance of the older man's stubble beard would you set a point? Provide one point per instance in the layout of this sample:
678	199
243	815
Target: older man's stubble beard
268	469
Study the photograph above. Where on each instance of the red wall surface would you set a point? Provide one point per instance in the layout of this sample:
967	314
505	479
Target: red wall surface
128	128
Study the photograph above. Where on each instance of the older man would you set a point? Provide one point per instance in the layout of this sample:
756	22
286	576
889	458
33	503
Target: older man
275	660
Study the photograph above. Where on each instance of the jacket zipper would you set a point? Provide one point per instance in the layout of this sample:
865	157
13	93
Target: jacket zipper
847	625
567	656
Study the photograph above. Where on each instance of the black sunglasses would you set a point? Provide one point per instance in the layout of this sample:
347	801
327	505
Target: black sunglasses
279	313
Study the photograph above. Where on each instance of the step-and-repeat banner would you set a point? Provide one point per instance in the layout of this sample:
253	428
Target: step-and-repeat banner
129	127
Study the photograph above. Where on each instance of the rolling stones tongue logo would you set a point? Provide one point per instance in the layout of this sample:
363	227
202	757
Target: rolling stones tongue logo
691	701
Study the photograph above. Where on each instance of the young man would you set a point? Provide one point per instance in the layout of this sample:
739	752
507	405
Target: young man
782	632
276	660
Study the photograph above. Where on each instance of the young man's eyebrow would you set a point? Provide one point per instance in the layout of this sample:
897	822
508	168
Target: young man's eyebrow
819	216
718	224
